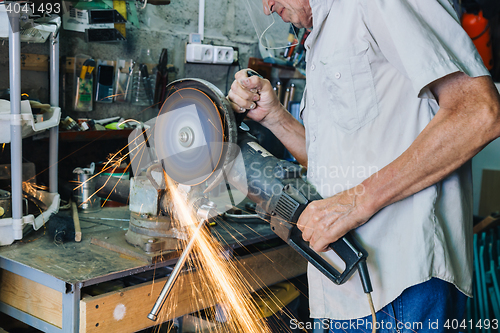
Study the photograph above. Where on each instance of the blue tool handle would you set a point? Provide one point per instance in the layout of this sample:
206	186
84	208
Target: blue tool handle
241	116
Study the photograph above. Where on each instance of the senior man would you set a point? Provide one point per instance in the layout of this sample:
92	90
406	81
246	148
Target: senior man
397	102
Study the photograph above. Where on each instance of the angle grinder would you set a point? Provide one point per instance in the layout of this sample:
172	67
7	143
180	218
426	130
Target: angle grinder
198	140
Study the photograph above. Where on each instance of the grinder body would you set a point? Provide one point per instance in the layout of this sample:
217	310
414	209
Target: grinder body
279	190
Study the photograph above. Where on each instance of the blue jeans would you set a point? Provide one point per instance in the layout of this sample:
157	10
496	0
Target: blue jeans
425	307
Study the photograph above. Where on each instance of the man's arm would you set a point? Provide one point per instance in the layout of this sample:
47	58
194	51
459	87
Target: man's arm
257	95
468	119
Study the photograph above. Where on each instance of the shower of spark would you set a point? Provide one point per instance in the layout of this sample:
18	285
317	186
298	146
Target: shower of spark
222	283
215	279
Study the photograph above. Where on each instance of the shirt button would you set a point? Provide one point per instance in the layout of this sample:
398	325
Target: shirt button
314	138
313	67
313	102
337	75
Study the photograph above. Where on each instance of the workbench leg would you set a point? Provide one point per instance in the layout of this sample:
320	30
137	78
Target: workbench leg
179	324
71	308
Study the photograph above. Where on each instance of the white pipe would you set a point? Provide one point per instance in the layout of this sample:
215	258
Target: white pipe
201	19
54	101
16	145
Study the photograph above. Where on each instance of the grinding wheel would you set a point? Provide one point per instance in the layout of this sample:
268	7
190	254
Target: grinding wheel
192	130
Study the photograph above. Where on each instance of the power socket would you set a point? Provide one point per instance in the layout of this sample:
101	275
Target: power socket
200	53
223	55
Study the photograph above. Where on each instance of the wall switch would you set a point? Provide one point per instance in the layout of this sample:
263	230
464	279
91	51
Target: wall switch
194	38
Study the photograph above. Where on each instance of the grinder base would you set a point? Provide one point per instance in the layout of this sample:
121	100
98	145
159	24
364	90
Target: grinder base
154	234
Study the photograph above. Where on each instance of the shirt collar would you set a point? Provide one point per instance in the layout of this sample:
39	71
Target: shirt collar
320	10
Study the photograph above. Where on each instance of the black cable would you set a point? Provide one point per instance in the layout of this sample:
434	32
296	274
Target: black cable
365	277
367	288
227	78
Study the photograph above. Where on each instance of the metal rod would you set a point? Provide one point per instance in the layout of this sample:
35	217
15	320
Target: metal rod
16	150
201	19
153	315
54	101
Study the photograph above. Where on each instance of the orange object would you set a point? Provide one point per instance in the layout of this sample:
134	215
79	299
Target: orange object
478	29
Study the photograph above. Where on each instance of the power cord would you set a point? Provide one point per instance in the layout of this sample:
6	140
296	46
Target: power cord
372	309
367	288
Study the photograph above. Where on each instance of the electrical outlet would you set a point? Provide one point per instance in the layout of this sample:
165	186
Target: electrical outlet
201	53
223	55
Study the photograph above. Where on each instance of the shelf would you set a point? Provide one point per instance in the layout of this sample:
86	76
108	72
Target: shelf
29	125
94	135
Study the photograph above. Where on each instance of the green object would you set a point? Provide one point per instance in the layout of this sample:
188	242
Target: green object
132	14
84	94
86	5
115	126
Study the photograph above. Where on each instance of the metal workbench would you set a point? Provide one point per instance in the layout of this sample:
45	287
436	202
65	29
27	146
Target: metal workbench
69	267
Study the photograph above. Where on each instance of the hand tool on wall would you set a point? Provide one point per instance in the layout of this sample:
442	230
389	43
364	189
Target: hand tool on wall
161	78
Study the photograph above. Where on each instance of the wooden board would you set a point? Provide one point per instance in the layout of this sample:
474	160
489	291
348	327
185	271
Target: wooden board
126	310
31	297
40	63
34	62
490	193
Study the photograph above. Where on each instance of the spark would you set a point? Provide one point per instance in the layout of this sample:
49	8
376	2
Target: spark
222	282
211	123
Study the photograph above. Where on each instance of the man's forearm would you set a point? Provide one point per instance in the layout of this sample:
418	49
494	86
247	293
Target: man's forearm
289	131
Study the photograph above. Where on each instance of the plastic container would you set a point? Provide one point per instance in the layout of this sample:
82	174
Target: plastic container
144	79
105	81
83	85
123	80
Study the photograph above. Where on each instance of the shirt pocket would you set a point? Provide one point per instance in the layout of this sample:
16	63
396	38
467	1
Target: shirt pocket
349	94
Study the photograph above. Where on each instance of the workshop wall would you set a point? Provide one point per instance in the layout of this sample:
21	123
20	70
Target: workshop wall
166	26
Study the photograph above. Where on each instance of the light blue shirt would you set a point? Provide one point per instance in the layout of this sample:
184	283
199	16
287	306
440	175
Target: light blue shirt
368	65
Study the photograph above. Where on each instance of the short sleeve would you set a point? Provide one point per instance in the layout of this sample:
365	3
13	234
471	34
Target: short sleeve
423	39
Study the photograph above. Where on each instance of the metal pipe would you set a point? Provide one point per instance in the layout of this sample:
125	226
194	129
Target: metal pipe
16	145
153	315
54	101
201	19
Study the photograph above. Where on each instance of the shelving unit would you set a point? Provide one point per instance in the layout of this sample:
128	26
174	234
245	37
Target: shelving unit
20	123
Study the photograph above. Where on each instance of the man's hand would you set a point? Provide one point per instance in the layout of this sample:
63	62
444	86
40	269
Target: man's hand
254	94
325	221
257	95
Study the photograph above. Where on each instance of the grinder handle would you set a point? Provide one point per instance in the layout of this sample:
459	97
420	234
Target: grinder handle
347	248
239	117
